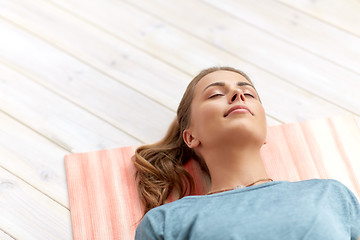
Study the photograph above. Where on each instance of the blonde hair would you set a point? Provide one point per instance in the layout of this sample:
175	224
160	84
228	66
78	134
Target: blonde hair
160	166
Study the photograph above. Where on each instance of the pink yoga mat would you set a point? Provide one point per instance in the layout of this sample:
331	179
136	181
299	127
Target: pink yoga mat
103	194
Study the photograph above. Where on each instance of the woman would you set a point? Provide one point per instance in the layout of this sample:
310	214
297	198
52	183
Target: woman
221	123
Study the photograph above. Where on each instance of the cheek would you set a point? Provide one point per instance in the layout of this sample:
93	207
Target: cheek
207	117
206	112
262	121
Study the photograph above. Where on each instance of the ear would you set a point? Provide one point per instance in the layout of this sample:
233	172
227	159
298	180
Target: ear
190	140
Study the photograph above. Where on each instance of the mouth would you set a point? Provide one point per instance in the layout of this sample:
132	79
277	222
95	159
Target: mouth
238	108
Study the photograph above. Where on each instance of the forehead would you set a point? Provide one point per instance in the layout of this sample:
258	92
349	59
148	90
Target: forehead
228	77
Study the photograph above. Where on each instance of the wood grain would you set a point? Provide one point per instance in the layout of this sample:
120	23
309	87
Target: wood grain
113	57
83	86
235	36
153	35
153	78
299	29
27	213
342	14
31	156
17	99
5	236
103	192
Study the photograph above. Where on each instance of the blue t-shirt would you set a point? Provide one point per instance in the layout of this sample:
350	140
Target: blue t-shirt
311	209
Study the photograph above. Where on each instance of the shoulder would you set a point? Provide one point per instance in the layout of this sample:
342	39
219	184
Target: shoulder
321	183
333	184
152	225
331	188
312	185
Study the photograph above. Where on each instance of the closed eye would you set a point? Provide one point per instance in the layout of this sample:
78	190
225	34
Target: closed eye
248	94
215	95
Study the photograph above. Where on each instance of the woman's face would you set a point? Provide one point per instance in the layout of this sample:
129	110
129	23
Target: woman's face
226	110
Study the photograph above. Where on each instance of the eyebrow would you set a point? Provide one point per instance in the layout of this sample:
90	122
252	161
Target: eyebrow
222	84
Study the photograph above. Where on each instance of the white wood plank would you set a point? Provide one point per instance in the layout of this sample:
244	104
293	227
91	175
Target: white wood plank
358	121
4	236
271	121
153	35
274	55
34	158
343	14
105	52
55	118
149	76
297	28
149	34
100	50
28	214
104	97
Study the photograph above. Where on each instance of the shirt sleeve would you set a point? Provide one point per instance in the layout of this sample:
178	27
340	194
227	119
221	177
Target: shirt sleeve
150	227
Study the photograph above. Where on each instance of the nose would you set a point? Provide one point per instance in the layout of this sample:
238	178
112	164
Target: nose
237	94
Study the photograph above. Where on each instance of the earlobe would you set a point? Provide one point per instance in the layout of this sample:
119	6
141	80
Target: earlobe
195	143
189	139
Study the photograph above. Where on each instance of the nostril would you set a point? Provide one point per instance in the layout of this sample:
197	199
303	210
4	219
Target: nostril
234	97
241	96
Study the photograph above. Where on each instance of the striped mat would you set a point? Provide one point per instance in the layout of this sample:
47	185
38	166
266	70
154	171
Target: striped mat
103	193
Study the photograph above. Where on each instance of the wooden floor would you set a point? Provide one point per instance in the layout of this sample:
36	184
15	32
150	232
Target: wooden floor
81	75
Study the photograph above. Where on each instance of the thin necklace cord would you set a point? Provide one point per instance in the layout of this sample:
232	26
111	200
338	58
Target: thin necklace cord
251	184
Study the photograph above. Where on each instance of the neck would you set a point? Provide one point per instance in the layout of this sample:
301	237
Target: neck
233	167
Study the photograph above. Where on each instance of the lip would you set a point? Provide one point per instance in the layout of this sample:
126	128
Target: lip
236	108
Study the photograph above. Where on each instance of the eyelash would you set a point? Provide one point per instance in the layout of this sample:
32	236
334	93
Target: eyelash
218	94
215	95
249	95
